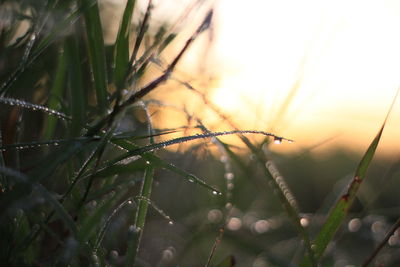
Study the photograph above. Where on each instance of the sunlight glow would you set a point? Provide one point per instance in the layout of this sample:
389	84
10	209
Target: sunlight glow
309	69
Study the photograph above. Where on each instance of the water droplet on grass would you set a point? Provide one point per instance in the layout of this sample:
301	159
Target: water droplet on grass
304	222
215	193
214	216
234	224
354	225
229	176
114	254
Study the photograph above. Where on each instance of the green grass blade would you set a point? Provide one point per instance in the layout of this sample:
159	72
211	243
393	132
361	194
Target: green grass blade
121	52
140	219
341	208
77	92
56	93
95	46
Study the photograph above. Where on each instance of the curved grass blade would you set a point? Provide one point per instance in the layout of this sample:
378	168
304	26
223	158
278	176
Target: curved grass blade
38	144
107	222
179	140
341	208
121	50
31	106
95	46
157	162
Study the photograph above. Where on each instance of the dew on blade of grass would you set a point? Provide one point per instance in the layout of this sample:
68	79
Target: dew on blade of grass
354	225
229	176
228	205
393	240
261	226
168	254
277	140
214	216
234	224
304	222
114	254
230	186
215	193
133	229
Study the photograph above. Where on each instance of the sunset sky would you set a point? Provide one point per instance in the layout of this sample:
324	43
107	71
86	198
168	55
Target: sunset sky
339	61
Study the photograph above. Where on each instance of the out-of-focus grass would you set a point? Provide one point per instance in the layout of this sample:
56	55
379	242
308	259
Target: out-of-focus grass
86	180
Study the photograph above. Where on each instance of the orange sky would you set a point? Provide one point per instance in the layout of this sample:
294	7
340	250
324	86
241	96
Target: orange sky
339	60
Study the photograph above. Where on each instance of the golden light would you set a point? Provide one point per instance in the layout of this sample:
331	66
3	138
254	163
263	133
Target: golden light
310	70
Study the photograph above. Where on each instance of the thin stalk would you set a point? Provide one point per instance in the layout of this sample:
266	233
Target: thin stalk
140	219
382	244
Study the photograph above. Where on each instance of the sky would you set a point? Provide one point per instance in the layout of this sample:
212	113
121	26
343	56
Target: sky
310	70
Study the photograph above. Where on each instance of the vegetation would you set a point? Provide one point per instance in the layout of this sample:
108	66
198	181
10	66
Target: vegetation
86	180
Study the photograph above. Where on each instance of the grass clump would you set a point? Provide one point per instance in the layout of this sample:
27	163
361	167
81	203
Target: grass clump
80	187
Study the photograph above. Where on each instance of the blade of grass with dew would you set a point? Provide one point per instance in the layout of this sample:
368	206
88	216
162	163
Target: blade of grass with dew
31	106
107	222
121	49
56	93
140	219
96	51
292	213
77	93
157	162
338	213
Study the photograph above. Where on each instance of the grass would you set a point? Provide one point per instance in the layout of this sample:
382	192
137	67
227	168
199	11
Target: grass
80	187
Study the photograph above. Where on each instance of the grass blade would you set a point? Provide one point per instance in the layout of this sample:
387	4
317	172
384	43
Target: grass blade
77	92
31	106
145	192
95	46
341	208
55	95
121	50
